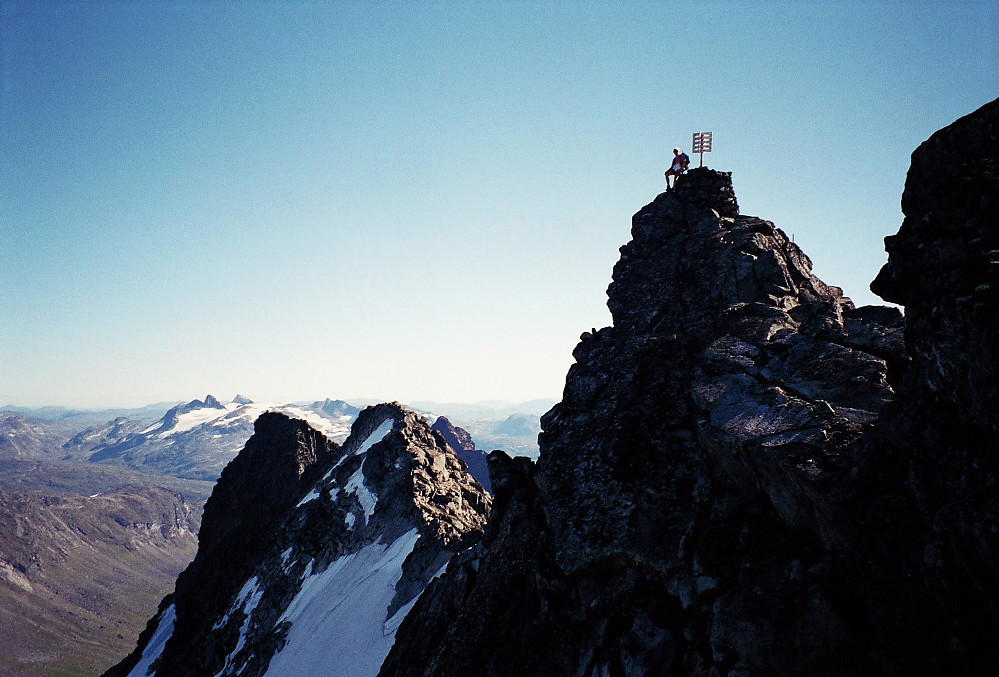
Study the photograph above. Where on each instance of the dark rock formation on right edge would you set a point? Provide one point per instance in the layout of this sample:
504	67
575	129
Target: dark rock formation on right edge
747	475
943	428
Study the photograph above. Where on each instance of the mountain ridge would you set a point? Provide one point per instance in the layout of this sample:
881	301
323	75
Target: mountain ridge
386	510
749	475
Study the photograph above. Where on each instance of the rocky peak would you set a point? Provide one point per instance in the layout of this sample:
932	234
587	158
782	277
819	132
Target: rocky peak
693	257
212	403
278	465
312	553
412	468
458	438
461	441
172	415
731	483
722	339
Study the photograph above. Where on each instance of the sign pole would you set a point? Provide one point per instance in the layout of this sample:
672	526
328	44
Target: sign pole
701	144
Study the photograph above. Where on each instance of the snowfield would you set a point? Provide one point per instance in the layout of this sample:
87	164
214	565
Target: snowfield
233	415
339	624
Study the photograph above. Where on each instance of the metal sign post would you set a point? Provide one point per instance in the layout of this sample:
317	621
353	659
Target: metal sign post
701	144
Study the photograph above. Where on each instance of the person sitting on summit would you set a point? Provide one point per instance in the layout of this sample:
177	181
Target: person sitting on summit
679	166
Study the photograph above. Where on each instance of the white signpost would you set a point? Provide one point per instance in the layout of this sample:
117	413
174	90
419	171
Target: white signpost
701	144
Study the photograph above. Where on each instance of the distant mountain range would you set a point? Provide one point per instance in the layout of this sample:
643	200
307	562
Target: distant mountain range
72	475
197	439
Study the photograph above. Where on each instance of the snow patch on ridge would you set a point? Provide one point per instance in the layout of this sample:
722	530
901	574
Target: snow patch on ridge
248	599
335	430
377	436
156	643
192	419
153	427
392	624
338	616
312	495
366	497
249	589
356	483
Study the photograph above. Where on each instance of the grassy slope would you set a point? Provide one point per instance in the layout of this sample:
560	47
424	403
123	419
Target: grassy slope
80	576
84	479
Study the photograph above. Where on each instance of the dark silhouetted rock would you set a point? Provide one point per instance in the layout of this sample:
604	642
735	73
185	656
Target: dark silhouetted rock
461	441
280	463
747	475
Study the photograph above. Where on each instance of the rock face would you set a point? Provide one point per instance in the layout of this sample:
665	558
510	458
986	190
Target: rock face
461	441
943	266
942	431
279	463
748	475
311	553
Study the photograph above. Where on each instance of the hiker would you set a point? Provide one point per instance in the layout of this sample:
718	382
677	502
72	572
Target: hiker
679	166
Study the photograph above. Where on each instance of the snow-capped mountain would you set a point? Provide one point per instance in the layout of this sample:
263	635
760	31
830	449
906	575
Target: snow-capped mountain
196	440
312	553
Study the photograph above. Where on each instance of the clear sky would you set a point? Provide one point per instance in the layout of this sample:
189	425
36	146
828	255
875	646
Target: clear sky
419	201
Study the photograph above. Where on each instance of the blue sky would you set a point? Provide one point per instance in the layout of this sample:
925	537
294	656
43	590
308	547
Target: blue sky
419	201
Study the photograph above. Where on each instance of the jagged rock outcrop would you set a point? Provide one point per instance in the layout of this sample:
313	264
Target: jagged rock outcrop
461	441
731	484
943	266
942	432
311	553
280	462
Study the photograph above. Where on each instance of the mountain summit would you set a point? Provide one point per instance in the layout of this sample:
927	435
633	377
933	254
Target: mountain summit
680	511
749	475
311	553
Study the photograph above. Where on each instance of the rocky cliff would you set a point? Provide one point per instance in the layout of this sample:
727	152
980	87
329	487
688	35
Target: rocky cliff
311	552
461	441
747	474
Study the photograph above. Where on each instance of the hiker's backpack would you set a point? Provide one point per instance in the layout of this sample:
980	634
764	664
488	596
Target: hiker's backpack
684	161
